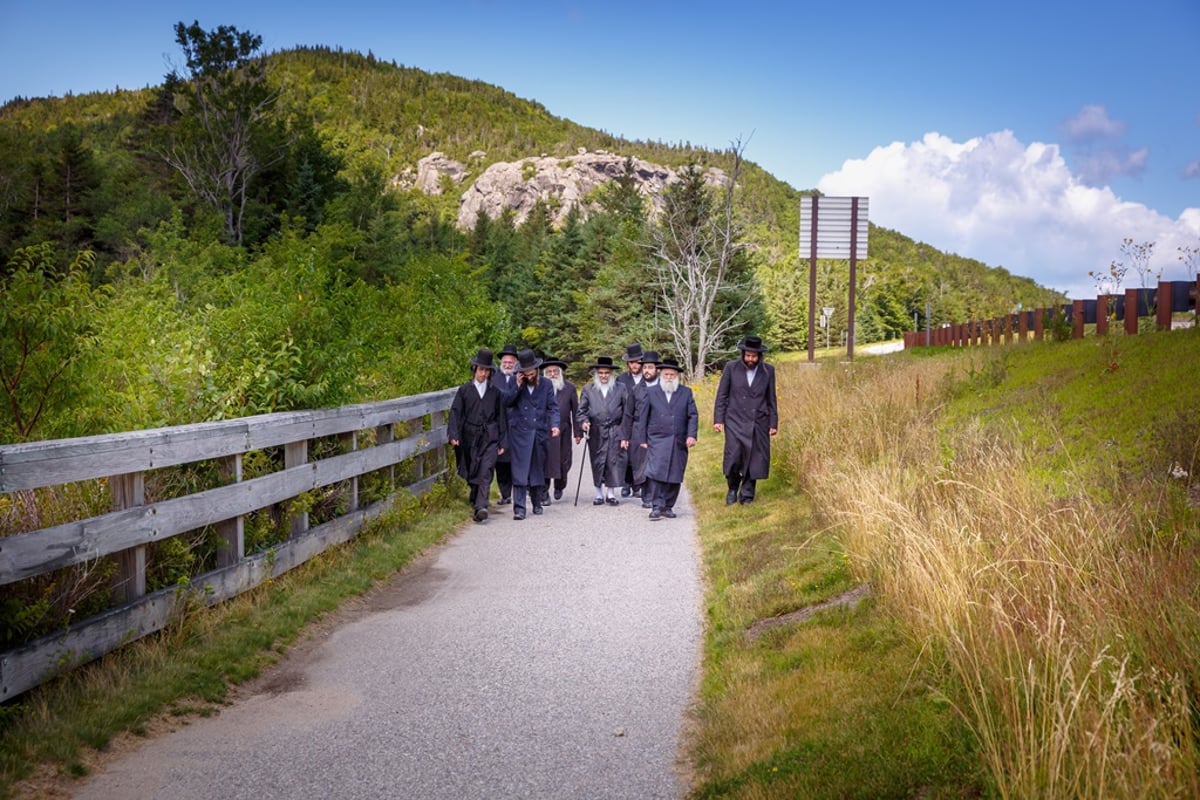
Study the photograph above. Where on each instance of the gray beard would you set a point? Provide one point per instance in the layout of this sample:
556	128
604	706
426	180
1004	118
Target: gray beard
558	384
603	387
669	386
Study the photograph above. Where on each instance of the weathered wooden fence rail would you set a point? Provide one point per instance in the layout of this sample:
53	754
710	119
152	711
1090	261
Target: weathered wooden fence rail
1170	297
366	433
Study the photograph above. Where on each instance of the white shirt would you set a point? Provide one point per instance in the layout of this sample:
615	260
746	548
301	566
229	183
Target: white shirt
481	387
750	373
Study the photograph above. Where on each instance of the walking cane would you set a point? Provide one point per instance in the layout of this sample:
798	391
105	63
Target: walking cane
579	482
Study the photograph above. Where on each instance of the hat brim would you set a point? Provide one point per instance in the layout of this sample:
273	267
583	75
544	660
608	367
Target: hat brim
747	349
554	362
475	363
605	366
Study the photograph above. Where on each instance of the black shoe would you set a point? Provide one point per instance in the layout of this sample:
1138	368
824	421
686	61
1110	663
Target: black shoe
519	514
599	501
730	497
612	501
480	514
746	501
558	494
626	491
503	501
668	513
537	509
647	504
656	514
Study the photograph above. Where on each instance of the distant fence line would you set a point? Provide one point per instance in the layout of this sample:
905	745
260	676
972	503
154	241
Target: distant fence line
367	443
1134	304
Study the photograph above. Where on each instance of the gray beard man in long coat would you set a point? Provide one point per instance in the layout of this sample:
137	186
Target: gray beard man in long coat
637	453
602	405
560	454
747	412
669	426
478	431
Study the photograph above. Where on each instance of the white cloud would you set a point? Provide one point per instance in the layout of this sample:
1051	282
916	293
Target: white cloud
1091	123
1008	204
1192	170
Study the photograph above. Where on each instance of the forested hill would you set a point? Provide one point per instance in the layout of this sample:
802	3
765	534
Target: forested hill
318	274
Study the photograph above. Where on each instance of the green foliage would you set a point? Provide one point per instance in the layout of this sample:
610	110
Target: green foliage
46	329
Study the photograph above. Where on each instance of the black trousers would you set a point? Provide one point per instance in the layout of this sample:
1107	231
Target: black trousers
742	486
504	479
662	494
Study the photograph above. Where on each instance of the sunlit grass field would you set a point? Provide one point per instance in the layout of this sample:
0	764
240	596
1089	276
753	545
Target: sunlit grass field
1026	519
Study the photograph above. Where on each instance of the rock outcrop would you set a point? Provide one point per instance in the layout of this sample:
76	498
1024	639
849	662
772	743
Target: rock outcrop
561	182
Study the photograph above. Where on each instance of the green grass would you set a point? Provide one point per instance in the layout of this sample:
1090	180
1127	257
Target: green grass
191	668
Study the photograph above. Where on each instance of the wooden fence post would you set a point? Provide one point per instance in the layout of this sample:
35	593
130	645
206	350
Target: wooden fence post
1131	311
1162	306
349	442
1039	324
1101	314
231	534
295	454
1076	319
129	583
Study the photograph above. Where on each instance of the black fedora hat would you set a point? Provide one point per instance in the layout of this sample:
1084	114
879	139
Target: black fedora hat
669	363
508	350
633	352
526	360
483	359
604	362
551	361
650	357
752	344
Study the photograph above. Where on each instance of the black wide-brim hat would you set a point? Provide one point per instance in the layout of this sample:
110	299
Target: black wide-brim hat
669	363
508	350
752	344
633	352
483	359
551	361
604	362
650	357
526	360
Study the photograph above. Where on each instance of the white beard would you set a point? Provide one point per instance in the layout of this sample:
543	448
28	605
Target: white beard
558	383
669	384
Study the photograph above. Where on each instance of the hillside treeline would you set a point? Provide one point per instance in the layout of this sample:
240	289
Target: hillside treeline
145	285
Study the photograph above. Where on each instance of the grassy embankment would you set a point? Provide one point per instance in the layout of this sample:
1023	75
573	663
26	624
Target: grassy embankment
1022	517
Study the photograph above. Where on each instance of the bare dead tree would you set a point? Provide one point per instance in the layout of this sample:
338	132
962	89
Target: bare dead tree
694	247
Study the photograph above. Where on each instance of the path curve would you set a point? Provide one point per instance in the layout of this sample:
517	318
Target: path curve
554	657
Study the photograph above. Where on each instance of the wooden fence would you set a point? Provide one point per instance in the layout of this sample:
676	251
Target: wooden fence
1170	297
367	439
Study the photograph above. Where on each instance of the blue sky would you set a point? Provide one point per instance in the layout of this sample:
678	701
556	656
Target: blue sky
1029	135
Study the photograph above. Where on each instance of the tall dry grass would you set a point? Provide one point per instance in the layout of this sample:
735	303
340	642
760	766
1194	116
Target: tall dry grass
1069	628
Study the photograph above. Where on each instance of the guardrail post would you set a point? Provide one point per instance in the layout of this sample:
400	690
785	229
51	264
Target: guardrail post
129	583
231	534
349	443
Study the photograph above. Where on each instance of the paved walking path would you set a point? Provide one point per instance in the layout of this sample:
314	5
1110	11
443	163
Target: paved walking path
553	657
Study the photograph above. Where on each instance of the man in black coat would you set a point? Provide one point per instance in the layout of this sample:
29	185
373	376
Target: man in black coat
637	453
668	427
747	412
477	430
560	454
506	381
632	378
532	421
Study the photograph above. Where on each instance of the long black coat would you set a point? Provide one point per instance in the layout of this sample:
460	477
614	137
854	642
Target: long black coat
666	427
479	426
560	452
506	384
606	417
748	412
531	415
637	453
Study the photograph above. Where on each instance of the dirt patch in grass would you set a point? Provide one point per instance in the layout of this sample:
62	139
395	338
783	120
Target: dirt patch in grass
848	599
